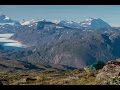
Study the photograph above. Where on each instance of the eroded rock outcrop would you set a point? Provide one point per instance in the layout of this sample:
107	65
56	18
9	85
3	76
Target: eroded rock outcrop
110	72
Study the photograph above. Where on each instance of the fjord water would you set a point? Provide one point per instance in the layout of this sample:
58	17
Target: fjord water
9	44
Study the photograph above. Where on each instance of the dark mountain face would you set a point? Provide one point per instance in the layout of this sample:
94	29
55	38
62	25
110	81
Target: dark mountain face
7	29
45	25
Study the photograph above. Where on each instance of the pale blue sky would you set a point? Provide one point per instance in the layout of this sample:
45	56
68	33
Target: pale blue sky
109	13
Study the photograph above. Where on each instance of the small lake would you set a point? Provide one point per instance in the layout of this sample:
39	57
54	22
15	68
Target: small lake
8	43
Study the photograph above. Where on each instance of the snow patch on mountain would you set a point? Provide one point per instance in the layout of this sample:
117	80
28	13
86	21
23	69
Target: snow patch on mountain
55	21
7	20
70	24
29	22
94	23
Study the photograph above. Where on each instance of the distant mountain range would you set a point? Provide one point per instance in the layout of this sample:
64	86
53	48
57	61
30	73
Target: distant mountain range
6	20
68	43
8	25
90	23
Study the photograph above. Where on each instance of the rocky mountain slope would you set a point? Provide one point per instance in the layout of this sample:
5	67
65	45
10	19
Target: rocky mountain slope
67	46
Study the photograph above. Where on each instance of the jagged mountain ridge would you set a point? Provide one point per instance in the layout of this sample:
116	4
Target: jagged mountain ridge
7	25
93	23
89	23
7	20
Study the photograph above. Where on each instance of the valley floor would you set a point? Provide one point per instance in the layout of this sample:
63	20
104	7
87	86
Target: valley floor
109	74
74	77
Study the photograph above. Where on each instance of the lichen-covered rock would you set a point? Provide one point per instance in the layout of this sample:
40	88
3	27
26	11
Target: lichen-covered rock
110	70
114	81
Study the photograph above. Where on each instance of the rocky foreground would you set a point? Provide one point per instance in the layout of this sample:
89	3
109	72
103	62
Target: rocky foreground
108	75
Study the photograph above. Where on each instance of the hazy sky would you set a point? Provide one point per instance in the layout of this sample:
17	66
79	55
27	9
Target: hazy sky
109	13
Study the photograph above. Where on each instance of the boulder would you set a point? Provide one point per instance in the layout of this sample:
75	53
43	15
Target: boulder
110	70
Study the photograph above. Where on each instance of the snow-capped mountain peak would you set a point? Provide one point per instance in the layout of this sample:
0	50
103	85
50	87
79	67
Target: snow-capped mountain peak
66	22
95	23
33	21
55	21
70	24
29	22
5	19
89	19
25	23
